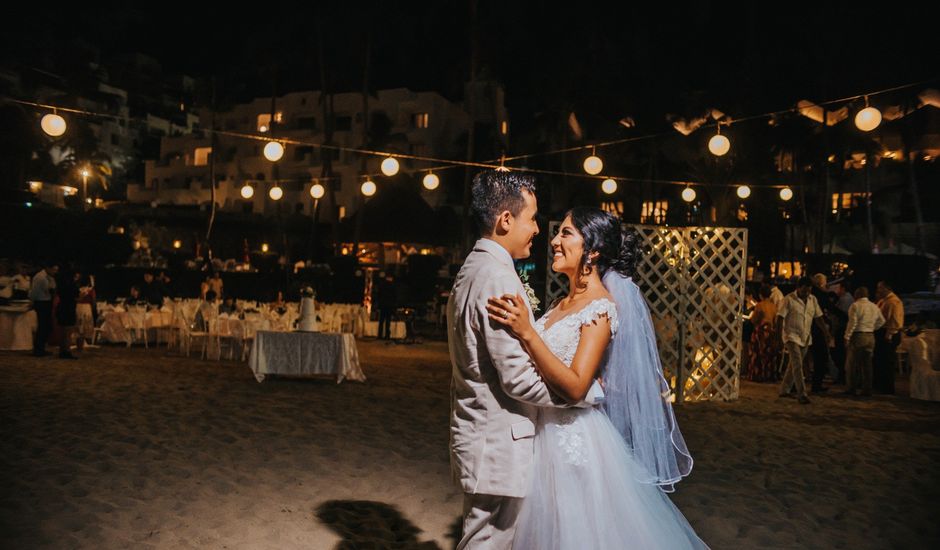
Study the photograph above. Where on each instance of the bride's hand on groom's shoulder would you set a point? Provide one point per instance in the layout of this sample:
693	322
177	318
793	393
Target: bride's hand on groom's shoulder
511	312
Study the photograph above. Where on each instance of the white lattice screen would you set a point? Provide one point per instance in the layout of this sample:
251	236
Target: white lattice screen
693	279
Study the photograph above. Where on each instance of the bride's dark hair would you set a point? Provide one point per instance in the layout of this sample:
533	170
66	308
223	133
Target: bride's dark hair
617	247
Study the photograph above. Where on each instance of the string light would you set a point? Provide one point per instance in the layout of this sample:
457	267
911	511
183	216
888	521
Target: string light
368	188
868	118
431	181
390	166
264	248
593	164
317	191
447	163
53	124
688	194
719	145
609	186
276	193
177	244
786	193
744	191
273	151
247	191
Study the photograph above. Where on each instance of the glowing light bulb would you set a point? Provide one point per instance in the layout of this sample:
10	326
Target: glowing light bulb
719	145
593	165
609	186
276	193
744	191
53	124
688	194
431	181
273	151
786	193
317	191
390	166
368	188
868	119
247	191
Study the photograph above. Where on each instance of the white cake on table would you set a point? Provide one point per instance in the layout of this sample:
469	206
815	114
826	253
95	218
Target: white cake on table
307	322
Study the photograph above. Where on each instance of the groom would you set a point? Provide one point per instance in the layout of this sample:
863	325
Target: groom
496	390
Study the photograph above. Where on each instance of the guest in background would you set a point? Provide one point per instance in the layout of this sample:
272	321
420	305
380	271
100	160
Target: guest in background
838	316
228	306
864	319
765	344
887	338
844	299
819	350
386	301
795	318
279	305
216	284
88	295
164	284
204	288
151	290
41	292
135	298
65	314
776	296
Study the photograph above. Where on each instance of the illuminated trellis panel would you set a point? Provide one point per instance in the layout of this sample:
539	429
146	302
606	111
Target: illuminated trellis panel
693	279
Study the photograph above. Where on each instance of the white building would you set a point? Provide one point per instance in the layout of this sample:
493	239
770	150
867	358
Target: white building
415	123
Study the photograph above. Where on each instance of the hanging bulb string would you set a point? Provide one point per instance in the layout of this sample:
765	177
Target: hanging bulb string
445	164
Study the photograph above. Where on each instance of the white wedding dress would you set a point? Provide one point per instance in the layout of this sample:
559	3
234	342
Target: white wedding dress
584	492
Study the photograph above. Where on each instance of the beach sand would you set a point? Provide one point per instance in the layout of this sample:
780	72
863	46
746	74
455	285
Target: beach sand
134	448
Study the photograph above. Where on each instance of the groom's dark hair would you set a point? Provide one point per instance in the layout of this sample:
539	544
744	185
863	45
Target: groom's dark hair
495	191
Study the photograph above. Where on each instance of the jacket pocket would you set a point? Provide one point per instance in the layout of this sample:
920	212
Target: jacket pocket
522	430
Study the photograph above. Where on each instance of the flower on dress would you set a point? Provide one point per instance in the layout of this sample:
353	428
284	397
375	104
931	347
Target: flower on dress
530	294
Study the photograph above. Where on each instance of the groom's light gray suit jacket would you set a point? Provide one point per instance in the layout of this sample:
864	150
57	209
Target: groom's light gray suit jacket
496	391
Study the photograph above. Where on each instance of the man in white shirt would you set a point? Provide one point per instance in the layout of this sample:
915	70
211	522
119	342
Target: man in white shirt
41	293
798	312
864	319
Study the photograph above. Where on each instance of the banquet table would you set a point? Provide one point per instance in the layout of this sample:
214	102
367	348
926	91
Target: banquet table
17	325
305	354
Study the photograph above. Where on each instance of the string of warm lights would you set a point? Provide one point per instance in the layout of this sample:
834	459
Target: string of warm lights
867	119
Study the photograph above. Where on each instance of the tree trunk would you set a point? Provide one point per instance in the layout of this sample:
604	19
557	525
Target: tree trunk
213	143
365	141
471	134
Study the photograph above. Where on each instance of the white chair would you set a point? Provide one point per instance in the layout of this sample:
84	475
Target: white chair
137	324
924	358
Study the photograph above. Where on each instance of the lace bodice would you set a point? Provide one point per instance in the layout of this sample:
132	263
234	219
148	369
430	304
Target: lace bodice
564	335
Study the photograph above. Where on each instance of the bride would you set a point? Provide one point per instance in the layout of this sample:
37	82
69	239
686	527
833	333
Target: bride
599	476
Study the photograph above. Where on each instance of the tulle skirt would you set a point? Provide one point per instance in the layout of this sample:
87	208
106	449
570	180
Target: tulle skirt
584	494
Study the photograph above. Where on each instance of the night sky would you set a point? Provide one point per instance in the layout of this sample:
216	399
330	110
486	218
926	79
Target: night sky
633	59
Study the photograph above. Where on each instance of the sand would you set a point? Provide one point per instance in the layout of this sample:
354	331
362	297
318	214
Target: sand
132	448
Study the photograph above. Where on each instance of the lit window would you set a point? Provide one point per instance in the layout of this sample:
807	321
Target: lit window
848	201
420	120
654	212
264	121
201	156
615	208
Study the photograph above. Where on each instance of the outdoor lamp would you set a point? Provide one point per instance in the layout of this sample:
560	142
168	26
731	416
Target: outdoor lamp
273	151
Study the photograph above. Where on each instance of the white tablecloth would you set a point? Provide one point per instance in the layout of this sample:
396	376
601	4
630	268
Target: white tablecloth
397	329
303	354
16	328
924	357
